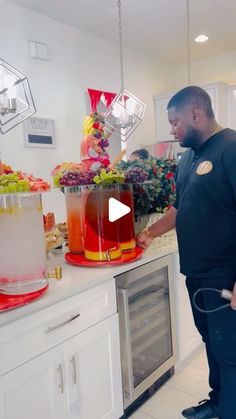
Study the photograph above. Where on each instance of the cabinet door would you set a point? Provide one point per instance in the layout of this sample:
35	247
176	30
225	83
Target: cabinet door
218	94
162	124
188	338
36	389
231	123
94	376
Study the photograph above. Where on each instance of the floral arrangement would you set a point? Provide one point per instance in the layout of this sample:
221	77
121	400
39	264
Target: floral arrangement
157	192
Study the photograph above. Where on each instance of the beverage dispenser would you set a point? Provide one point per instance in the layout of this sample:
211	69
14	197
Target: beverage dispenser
22	244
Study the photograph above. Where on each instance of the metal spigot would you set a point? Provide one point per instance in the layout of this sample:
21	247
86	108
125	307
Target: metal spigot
57	273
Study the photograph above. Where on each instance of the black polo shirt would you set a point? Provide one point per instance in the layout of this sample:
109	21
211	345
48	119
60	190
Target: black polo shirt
206	207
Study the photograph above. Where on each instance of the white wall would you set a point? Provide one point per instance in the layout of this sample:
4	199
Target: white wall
214	69
77	60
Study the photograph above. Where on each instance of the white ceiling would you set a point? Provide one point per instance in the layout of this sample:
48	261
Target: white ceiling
157	27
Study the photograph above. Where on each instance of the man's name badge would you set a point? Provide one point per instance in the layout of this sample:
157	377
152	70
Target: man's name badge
204	167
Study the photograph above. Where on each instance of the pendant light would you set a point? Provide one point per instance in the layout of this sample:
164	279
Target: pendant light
171	151
126	111
16	101
188	39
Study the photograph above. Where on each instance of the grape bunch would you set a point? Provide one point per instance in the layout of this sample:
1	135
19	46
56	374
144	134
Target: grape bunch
103	143
71	178
107	176
135	175
12	183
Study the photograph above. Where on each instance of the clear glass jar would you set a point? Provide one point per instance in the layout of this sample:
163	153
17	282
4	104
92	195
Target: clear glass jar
22	244
126	223
101	237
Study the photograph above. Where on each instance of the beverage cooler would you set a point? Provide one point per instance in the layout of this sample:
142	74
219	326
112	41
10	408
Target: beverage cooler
22	245
147	328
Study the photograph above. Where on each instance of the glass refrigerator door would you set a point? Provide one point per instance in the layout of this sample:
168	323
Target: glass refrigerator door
147	333
149	323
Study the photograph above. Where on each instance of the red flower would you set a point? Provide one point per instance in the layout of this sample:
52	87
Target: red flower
170	175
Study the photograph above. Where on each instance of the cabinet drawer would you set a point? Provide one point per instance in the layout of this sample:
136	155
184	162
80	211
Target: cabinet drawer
26	338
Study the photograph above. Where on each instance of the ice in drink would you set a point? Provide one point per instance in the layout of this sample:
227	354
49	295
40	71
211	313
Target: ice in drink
22	244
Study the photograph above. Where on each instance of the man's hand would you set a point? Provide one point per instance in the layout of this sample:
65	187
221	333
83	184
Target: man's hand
143	240
233	299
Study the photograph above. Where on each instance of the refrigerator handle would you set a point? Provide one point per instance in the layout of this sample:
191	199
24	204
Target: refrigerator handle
126	356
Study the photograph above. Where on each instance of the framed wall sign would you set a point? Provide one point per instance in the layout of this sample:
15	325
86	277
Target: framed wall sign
39	132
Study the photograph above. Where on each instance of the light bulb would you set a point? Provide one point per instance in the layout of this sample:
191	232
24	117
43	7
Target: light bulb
11	93
130	106
11	88
117	110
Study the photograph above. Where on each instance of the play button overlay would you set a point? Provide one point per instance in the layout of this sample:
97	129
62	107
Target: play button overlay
107	210
116	209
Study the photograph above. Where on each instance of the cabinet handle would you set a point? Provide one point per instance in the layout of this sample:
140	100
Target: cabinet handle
74	376
51	329
128	386
61	385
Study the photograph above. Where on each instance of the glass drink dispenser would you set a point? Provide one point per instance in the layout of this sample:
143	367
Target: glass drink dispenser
126	223
22	244
101	237
75	218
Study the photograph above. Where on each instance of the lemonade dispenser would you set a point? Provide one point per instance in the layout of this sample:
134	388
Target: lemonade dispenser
22	244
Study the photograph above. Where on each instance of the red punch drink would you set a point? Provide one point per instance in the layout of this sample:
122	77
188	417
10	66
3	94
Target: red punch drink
101	237
127	235
74	207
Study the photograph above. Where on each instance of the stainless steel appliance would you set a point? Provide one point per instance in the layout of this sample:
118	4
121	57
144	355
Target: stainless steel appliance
147	330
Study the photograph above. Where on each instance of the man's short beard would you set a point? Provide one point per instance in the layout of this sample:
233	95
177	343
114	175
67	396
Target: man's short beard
191	139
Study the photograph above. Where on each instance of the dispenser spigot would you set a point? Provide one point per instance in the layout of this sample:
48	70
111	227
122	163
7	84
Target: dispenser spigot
57	273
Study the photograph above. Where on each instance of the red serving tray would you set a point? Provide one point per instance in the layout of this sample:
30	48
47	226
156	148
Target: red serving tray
126	257
8	302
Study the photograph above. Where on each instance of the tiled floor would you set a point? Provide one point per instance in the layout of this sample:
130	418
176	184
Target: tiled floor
186	388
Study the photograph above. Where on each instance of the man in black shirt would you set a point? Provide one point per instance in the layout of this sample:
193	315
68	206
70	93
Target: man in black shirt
205	219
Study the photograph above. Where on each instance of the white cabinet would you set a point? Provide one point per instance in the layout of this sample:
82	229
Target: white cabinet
67	367
231	123
36	389
162	125
92	364
218	93
188	338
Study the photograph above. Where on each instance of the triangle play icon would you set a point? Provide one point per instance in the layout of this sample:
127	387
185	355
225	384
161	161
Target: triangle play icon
116	209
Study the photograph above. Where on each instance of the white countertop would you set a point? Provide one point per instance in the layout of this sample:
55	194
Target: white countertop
76	279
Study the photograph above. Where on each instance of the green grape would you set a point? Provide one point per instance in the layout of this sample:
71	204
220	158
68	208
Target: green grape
12	187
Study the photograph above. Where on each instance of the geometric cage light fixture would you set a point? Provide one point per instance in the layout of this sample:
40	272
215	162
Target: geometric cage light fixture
126	111
16	101
124	115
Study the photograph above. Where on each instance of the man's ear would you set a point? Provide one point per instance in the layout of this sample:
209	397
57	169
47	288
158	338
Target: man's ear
196	114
